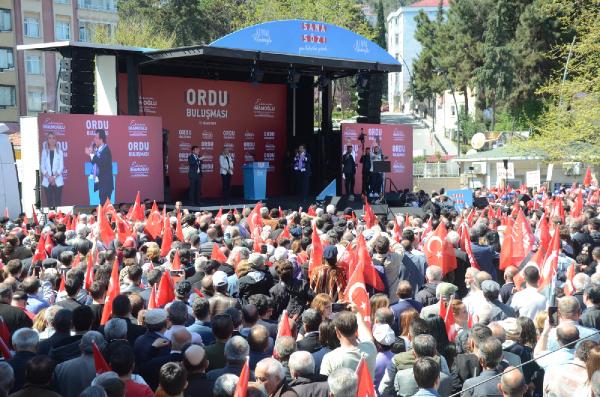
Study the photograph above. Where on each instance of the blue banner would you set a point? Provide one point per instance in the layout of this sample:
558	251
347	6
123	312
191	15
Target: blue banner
461	198
306	38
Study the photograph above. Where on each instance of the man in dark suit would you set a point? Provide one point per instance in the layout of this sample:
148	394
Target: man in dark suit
13	317
311	320
484	254
405	302
349	170
150	369
195	174
302	169
61	322
365	160
156	321
195	362
121	308
101	158
236	351
25	341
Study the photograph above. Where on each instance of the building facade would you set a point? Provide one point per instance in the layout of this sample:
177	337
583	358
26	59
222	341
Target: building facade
401	28
28	79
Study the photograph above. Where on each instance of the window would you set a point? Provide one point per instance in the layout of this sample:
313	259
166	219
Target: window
107	5
63	1
396	38
84	33
5	20
452	110
33	64
32	26
62	30
34	100
6	59
8	96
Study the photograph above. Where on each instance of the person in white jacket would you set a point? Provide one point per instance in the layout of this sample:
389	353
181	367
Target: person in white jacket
51	166
226	166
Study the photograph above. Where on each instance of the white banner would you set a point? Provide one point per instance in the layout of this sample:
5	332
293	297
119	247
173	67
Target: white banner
532	178
505	173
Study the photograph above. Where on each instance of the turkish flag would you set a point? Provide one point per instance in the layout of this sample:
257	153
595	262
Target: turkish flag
152	299
154	223
370	218
106	233
366	387
465	244
356	292
99	361
316	256
370	274
506	255
254	219
285	234
587	180
523	238
176	264
124	230
218	216
440	252
34	214
217	254
89	272
4	350
470	217
577	205
283	329
397	232
178	228
40	252
544	233
241	388
167	239
166	292
550	264
311	211
137	212
113	291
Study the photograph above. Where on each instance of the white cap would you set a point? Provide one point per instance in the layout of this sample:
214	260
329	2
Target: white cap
330	209
155	316
384	334
219	278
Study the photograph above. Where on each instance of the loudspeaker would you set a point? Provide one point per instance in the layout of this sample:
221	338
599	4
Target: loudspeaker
395	199
480	202
380	209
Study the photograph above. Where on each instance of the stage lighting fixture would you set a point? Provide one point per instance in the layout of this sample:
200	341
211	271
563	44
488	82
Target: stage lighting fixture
293	78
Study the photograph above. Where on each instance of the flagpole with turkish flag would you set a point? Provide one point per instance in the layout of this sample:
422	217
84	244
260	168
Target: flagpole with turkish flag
113	291
441	254
241	388
316	255
366	386
356	292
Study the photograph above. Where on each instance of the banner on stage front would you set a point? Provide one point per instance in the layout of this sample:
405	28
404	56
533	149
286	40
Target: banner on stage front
85	158
461	199
395	142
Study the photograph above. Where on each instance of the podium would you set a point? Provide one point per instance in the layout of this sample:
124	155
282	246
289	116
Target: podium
255	180
95	195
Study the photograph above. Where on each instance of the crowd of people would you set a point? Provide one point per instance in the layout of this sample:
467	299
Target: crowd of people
134	301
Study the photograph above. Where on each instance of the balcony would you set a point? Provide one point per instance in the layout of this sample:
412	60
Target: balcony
98	5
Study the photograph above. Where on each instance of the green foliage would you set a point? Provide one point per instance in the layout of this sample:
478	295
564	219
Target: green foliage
135	31
469	126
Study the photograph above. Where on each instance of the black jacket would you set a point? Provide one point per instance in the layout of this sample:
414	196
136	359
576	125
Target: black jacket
134	331
591	317
311	386
310	343
348	164
293	297
103	161
255	282
66	349
18	363
426	296
199	385
14	318
150	370
194	164
55	340
365	160
143	348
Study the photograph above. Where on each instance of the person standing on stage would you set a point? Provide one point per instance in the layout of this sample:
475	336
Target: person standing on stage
101	158
349	170
376	177
302	170
367	170
226	165
195	175
51	167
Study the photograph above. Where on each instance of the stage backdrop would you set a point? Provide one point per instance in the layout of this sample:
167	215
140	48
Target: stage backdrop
135	144
395	141
248	118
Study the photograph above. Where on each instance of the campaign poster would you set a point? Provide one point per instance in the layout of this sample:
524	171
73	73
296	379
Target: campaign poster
395	142
461	198
248	119
86	158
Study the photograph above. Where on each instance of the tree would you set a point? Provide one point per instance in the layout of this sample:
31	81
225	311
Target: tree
380	39
135	31
569	128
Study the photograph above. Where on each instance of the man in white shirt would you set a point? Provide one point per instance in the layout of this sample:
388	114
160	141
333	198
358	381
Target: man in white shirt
529	302
351	347
226	166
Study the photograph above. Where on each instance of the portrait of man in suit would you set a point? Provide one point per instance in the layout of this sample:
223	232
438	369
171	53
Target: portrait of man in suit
101	159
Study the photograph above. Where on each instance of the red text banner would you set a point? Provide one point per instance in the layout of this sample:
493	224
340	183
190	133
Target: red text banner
396	143
132	150
249	119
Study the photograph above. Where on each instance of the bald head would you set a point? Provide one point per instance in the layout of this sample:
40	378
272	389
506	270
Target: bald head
497	331
180	338
567	334
510	272
194	359
512	383
404	290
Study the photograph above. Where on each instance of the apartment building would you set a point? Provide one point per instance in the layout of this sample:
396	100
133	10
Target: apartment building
28	79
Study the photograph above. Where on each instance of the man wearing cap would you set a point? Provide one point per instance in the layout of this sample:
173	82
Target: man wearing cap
444	291
221	301
329	278
13	317
150	369
500	311
156	322
195	362
74	375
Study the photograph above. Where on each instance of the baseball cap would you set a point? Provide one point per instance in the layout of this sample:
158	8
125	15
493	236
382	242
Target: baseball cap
220	278
384	334
155	316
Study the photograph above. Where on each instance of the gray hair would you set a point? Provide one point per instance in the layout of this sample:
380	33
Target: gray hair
51	313
596	383
25	339
242	251
115	328
7	376
343	382
285	346
225	385
93	391
581	281
237	349
88	339
256	259
434	273
425	345
453	238
82	230
301	363
273	368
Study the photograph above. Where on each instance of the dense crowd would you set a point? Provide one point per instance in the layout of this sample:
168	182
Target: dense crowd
134	301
